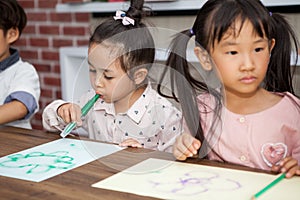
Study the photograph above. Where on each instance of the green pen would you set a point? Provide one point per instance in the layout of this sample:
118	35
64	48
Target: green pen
84	110
274	182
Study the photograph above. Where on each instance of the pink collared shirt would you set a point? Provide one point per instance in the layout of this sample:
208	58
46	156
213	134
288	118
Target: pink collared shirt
152	120
257	140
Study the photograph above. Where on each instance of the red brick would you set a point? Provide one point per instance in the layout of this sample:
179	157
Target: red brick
56	69
26	4
82	42
21	42
47	61
50	55
28	54
62	42
71	1
39	42
49	29
46	93
37	125
46	3
54	81
82	17
60	17
58	94
42	67
38	115
36	121
47	101
68	30
36	16
29	29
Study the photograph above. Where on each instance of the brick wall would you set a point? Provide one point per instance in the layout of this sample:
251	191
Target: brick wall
45	33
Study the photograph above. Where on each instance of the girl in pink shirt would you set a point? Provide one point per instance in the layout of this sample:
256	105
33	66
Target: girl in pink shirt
252	117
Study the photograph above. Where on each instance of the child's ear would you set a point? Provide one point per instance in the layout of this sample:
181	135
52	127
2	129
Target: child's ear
272	44
203	58
140	75
12	35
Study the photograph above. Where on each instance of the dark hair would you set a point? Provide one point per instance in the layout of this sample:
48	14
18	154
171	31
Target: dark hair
214	19
135	41
12	16
212	22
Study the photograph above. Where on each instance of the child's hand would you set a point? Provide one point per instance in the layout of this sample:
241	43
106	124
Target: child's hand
185	146
130	143
70	113
288	165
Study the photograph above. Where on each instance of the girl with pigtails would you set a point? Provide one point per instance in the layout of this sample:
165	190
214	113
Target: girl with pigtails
253	118
129	112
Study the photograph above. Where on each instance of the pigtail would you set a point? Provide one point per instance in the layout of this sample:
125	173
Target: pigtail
279	74
183	83
136	10
136	4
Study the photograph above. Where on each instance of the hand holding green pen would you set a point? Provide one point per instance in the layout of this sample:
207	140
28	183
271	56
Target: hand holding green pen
84	110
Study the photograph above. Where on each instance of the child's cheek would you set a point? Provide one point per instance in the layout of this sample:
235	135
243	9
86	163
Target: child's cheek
93	80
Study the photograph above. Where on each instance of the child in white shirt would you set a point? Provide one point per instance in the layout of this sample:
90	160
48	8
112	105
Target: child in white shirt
20	87
129	112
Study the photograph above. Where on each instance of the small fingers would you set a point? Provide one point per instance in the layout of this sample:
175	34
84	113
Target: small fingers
290	166
275	168
179	155
185	146
75	113
69	113
298	171
130	143
180	150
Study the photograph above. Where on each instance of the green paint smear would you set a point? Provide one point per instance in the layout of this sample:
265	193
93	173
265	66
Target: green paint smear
59	160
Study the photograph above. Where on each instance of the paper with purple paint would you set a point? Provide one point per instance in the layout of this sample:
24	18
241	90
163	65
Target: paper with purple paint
177	180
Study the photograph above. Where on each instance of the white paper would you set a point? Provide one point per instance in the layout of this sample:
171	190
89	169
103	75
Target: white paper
176	180
50	159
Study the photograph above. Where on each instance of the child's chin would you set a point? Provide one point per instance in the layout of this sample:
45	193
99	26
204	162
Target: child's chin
106	100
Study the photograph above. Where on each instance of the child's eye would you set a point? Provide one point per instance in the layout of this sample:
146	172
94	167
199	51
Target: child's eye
258	49
108	77
92	70
231	52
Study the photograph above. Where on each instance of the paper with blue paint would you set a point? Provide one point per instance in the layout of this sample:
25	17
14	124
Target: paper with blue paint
50	159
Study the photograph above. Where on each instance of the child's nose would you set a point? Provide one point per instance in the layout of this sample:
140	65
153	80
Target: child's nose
247	63
99	80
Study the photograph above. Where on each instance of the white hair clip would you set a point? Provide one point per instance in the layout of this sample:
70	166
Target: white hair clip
125	20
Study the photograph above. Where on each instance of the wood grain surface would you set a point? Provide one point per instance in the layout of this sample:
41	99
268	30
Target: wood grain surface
76	183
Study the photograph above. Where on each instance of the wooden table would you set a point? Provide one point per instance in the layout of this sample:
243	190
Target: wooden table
76	183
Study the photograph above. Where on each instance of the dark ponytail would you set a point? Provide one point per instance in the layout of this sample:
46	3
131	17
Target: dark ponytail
136	11
184	83
279	75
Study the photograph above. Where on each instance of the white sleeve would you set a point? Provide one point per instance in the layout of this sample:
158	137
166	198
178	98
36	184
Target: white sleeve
51	121
25	78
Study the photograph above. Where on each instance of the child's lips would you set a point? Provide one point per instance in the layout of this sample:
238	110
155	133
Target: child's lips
248	79
97	92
